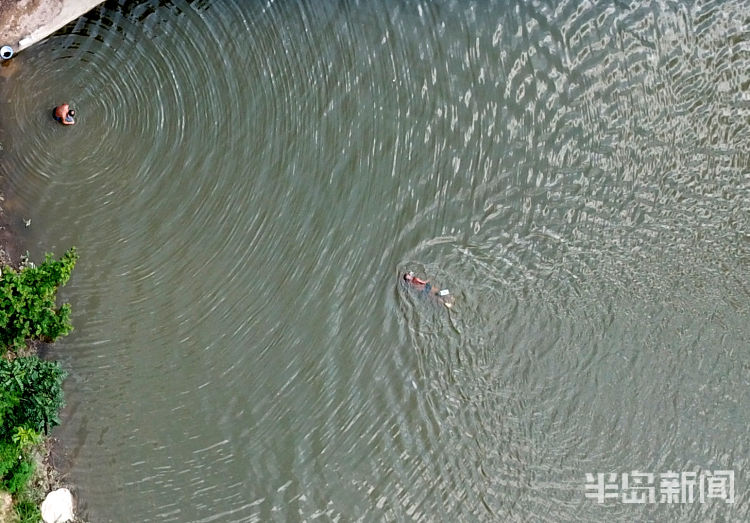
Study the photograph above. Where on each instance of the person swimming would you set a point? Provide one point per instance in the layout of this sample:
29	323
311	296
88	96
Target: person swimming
442	295
64	114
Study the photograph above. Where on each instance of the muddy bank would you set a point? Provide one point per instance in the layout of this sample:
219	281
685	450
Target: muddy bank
10	247
50	461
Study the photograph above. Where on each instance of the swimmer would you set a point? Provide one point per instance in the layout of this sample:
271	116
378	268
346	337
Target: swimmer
443	296
64	114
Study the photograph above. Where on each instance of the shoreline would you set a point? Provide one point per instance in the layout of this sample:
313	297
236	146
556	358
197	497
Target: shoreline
22	24
47	456
10	246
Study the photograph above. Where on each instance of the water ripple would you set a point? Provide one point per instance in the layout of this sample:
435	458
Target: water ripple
247	181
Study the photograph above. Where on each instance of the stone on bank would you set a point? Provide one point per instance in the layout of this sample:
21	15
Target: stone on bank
57	507
6	507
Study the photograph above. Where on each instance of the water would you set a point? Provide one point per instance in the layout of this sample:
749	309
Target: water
247	180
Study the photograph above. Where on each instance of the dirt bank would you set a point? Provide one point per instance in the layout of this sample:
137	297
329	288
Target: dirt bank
10	249
49	458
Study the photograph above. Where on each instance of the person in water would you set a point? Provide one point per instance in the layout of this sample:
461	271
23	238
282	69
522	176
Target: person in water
64	114
443	296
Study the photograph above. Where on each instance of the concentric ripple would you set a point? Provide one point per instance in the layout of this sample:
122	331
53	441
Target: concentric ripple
247	181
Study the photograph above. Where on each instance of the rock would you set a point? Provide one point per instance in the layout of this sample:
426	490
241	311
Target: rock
6	507
57	507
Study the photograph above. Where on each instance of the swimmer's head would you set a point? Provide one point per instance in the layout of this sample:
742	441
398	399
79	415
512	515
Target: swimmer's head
408	276
72	112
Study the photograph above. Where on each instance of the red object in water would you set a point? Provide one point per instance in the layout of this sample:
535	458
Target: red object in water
410	278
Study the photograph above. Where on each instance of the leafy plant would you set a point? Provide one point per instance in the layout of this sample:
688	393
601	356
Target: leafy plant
30	398
10	455
8	401
25	438
28	511
30	389
17	478
27	301
37	386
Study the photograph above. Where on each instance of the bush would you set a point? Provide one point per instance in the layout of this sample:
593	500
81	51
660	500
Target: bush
10	455
30	398
28	511
8	401
30	389
34	387
16	479
27	301
26	438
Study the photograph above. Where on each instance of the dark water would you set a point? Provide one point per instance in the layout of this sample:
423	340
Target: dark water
247	180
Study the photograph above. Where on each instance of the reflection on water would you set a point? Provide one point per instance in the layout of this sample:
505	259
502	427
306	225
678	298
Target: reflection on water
247	180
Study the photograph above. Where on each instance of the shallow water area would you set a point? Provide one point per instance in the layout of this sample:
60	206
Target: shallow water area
247	181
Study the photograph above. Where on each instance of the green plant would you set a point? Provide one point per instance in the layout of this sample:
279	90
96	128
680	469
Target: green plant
28	511
8	401
10	455
27	301
37	385
25	437
16	479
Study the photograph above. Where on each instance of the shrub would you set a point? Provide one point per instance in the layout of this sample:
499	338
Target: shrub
30	389
27	301
25	438
10	455
37	386
16	479
28	511
8	401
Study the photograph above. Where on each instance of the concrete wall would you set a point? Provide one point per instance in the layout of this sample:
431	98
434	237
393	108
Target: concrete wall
25	22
